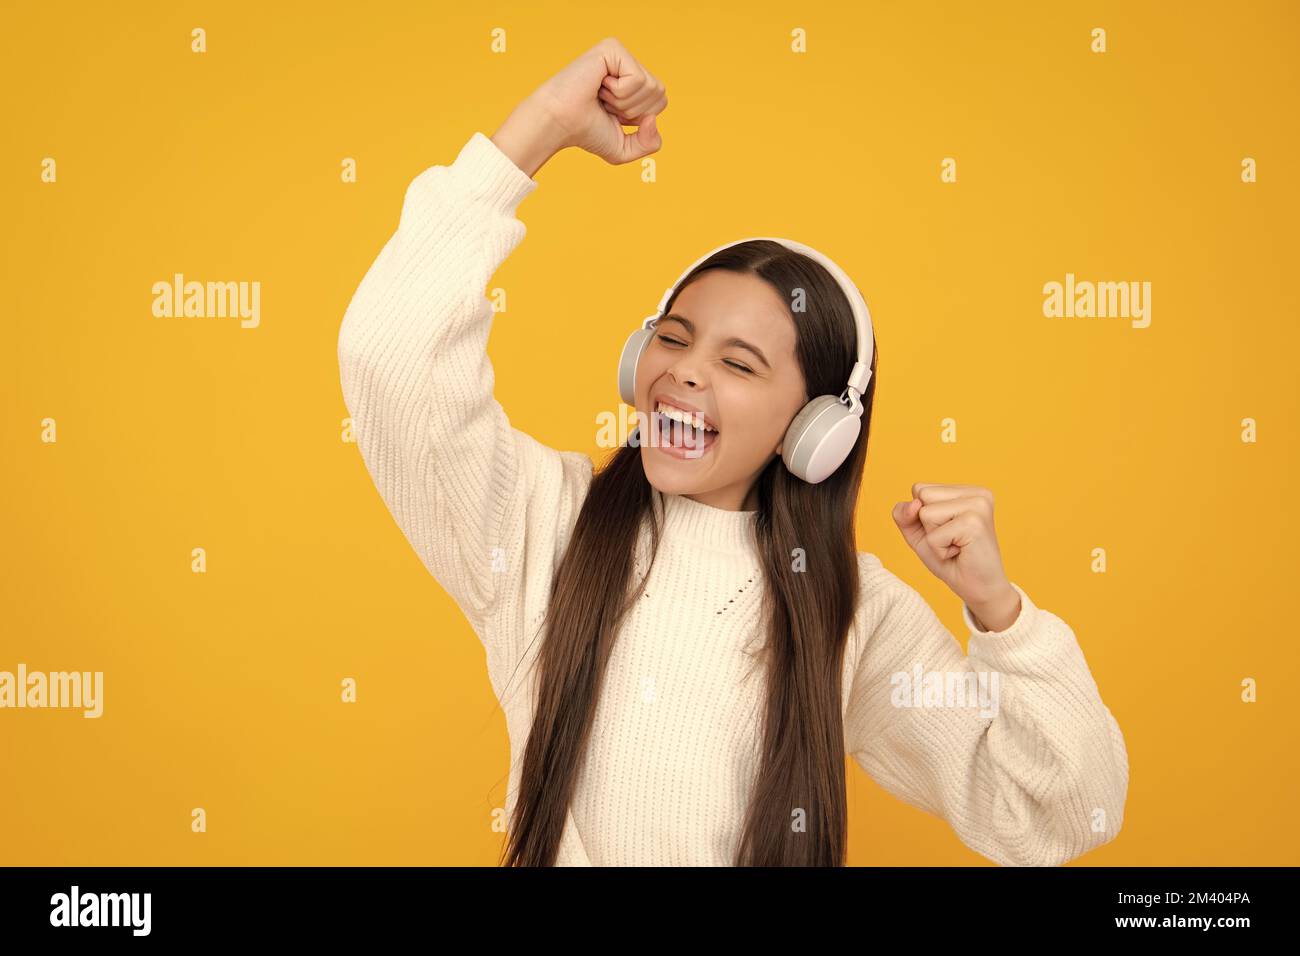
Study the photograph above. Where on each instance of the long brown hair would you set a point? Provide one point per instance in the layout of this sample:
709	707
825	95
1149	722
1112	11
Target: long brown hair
808	611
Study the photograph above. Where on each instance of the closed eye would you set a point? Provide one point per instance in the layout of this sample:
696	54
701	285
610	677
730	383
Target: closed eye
736	365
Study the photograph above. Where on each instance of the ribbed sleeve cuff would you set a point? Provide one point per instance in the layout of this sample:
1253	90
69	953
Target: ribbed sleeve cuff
489	175
1037	643
1011	635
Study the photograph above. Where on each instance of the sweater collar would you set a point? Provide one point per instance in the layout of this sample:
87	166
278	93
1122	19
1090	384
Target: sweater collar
686	518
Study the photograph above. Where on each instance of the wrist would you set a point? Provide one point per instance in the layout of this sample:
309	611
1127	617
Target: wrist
529	136
1000	612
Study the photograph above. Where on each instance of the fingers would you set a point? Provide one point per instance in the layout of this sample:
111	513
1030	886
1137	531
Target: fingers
643	142
629	79
650	101
634	118
628	86
936	541
904	513
947	540
931	491
610	106
634	97
949	522
938	512
910	528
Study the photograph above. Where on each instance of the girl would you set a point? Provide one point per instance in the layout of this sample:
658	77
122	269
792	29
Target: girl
686	643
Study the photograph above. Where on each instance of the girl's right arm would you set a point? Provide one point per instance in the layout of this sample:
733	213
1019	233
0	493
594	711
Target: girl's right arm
472	495
485	506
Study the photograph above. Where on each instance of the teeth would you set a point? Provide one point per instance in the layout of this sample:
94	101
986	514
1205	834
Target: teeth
677	415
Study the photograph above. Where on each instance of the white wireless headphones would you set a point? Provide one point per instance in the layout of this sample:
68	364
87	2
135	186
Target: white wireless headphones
821	436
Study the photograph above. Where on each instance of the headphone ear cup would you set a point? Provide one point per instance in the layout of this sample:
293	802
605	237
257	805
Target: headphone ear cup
820	438
636	344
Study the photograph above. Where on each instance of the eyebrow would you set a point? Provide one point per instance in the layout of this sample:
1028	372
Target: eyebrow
739	343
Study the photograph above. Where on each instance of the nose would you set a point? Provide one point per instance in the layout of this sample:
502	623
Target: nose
684	372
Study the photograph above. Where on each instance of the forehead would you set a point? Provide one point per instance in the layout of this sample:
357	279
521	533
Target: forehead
721	302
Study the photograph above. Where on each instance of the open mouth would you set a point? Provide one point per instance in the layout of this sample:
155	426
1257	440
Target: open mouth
679	439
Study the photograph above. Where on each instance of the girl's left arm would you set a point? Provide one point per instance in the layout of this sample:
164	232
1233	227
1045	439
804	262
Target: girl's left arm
1029	768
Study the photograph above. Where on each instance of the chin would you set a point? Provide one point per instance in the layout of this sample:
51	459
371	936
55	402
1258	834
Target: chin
673	477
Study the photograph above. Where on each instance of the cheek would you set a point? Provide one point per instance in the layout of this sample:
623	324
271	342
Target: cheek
747	416
649	370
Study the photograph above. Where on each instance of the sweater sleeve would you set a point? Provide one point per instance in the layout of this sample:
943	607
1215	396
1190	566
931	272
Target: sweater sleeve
1032	772
482	504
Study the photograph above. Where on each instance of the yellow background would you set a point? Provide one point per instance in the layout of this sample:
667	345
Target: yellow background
222	689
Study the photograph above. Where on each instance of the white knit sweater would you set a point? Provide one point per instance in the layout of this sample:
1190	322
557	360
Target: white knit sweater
673	752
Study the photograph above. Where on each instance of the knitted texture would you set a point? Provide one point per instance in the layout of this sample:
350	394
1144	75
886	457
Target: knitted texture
1037	780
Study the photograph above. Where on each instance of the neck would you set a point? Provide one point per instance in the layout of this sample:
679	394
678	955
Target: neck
722	529
730	498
